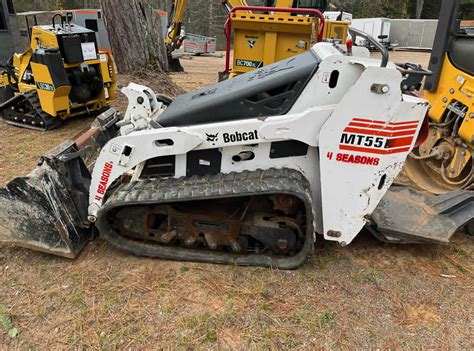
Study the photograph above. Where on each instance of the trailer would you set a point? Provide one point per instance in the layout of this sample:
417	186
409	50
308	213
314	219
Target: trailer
92	19
9	34
418	34
88	18
338	16
379	28
199	44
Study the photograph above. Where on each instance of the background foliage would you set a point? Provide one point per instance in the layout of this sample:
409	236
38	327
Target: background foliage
359	8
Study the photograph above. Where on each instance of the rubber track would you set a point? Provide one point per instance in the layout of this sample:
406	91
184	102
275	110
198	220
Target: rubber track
32	99
171	190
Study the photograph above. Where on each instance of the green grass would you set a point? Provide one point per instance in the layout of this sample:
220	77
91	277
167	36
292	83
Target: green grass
7	323
327	259
327	319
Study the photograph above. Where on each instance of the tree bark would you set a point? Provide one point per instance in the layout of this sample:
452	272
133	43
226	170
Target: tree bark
419	8
135	35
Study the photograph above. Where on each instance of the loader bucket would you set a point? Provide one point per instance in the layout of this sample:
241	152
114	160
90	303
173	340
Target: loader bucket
407	215
47	209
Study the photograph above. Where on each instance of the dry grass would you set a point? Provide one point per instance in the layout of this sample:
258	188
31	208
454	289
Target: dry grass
21	148
367	295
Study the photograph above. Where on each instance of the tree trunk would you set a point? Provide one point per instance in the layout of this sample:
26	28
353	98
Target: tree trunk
419	8
135	35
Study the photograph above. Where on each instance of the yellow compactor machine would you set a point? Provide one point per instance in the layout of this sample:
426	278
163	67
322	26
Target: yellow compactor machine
61	75
444	161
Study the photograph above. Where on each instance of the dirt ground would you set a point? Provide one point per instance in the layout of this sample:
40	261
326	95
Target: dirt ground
367	295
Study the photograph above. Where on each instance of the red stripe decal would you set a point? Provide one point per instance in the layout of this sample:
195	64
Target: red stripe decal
372	126
382	122
399	142
379	132
86	12
374	151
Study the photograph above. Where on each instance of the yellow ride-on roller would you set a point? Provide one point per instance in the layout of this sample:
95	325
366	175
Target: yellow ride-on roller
444	161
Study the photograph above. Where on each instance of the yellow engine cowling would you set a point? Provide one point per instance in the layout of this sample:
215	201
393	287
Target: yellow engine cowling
336	30
454	95
55	100
455	86
263	39
3	79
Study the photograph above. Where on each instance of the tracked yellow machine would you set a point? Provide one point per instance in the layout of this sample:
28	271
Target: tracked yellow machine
175	35
61	75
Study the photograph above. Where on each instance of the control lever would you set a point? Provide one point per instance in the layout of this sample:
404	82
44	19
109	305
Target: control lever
413	74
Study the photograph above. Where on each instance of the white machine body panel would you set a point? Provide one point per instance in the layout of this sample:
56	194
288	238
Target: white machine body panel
353	126
363	147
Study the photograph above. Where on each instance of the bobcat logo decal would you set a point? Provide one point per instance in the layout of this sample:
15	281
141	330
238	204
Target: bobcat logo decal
212	137
251	43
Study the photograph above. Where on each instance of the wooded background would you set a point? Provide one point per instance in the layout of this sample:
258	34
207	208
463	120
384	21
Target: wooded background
207	17
359	8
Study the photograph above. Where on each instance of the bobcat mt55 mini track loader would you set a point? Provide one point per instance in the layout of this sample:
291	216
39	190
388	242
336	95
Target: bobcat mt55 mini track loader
60	76
246	171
